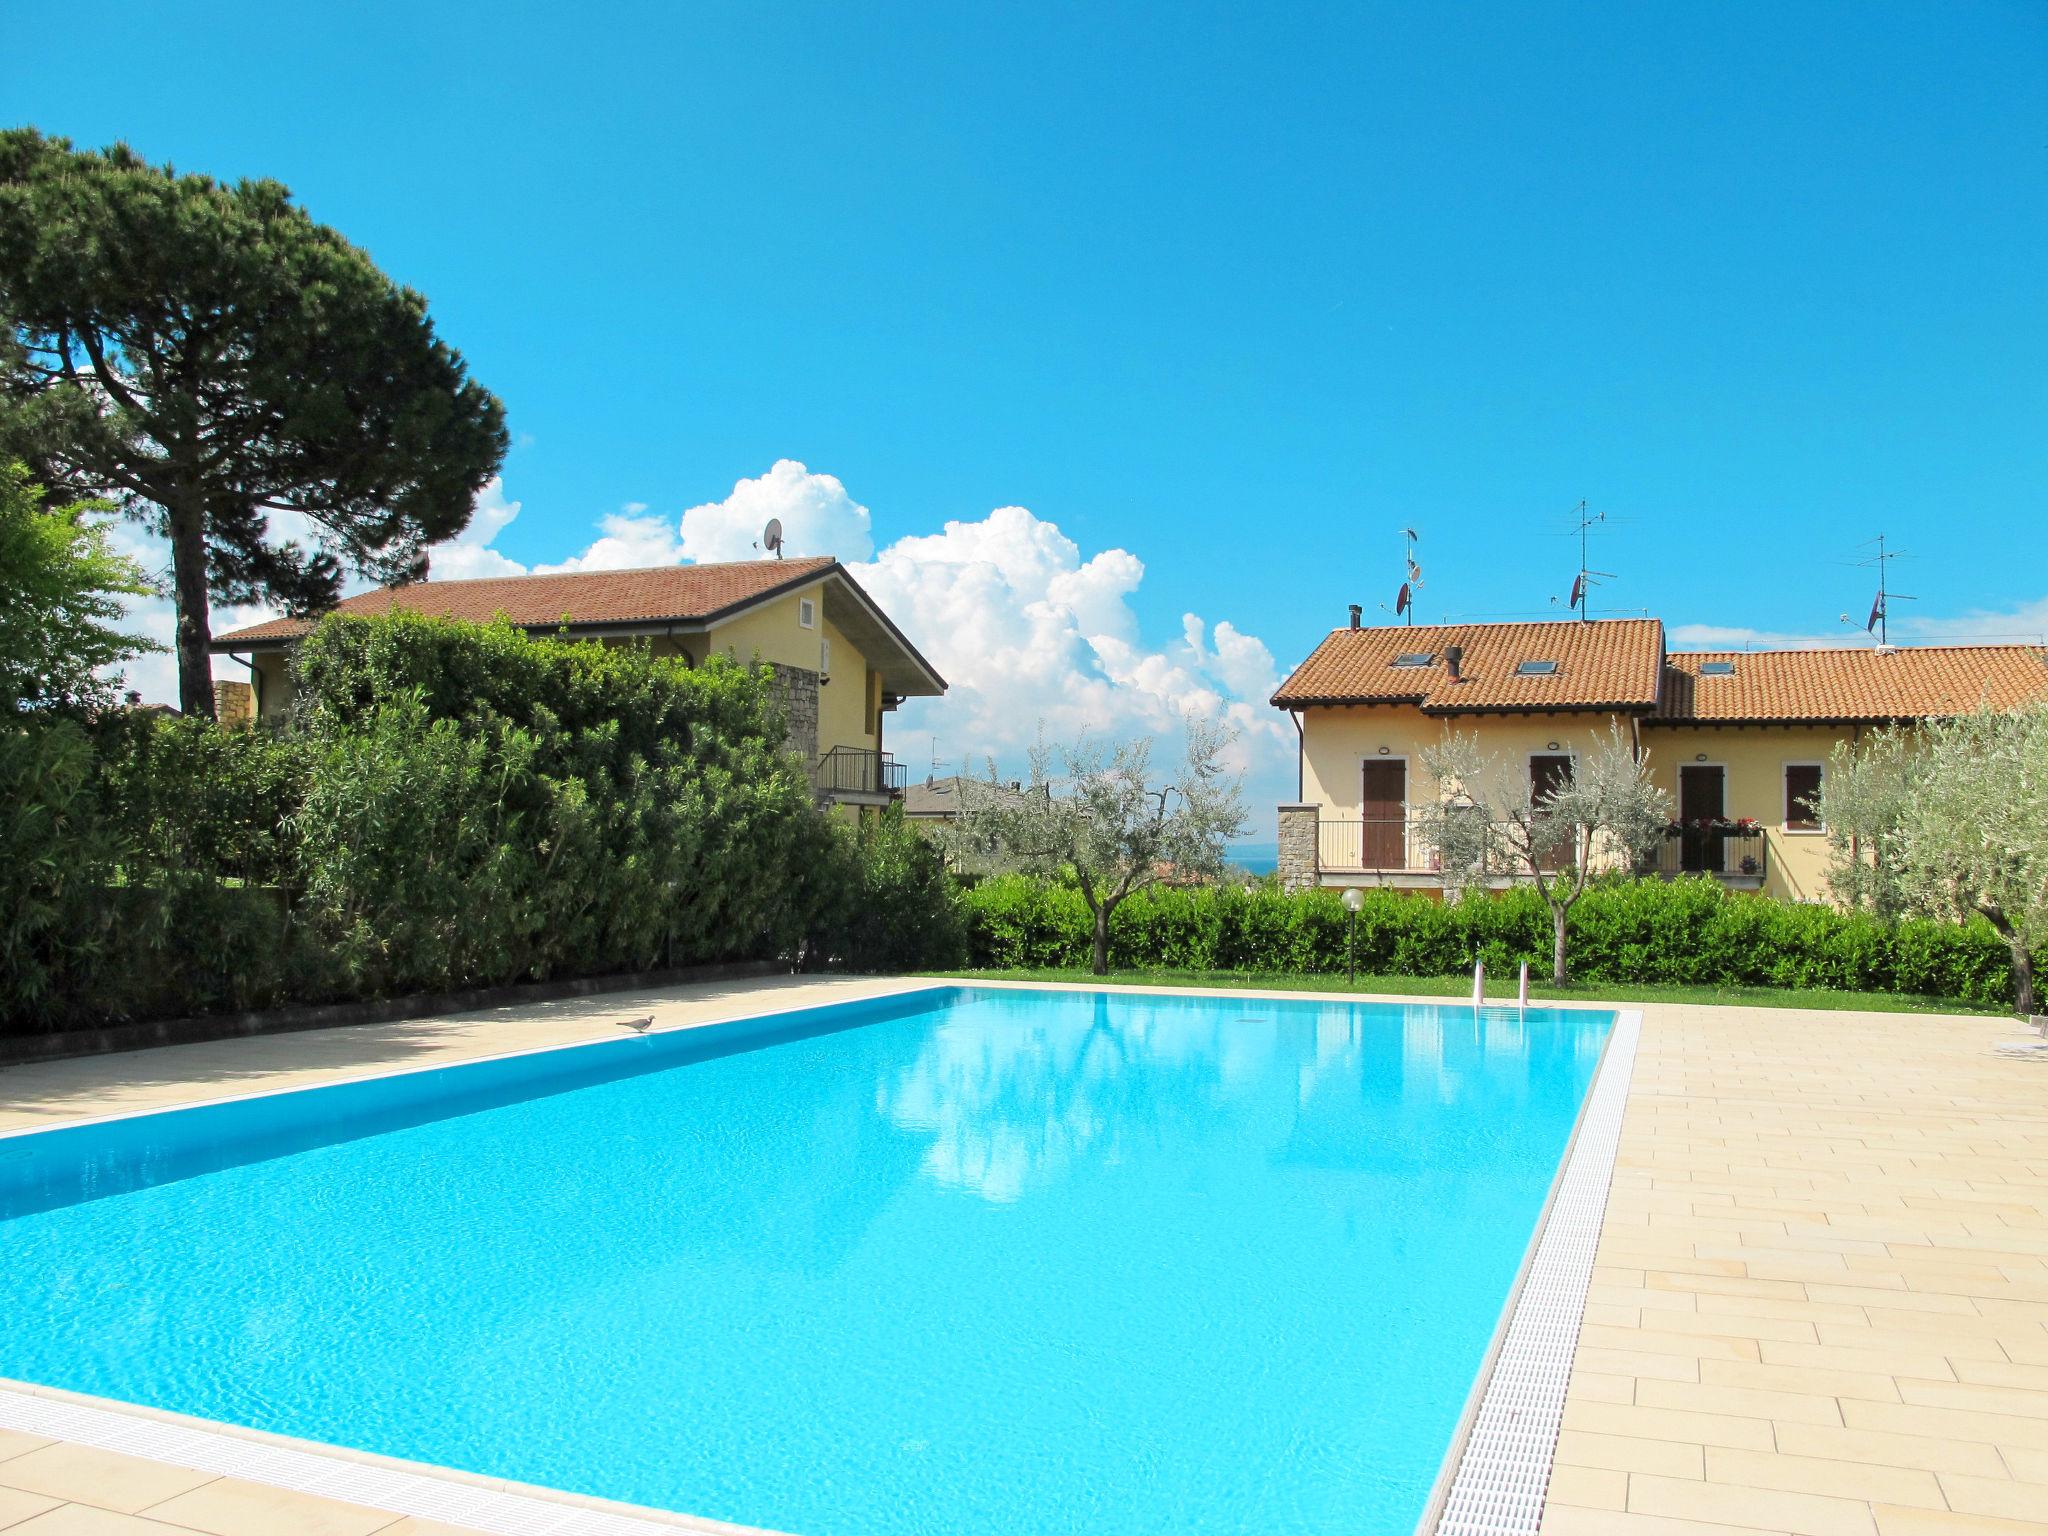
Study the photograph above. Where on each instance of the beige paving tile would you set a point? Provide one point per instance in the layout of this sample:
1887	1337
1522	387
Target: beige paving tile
1625	1453
16	1506
1836	1479
1837	1357
1570	1520
84	1520
2027	1401
1811	1381
1741	1402
85	1475
1915	1419
1652	1423
229	1507
14	1443
1893	1520
1598	1387
1588	1487
2027	1466
1998	1496
1766	1509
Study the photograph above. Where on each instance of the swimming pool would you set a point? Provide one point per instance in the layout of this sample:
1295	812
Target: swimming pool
962	1260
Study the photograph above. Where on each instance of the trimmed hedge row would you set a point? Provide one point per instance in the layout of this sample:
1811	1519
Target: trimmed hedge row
450	805
1687	932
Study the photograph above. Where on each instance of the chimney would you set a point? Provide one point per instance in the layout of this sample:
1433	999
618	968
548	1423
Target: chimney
1356	610
1454	657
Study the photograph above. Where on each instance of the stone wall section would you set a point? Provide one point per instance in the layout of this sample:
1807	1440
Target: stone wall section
1298	846
796	690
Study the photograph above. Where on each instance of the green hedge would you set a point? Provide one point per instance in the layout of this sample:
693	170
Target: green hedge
1690	932
450	805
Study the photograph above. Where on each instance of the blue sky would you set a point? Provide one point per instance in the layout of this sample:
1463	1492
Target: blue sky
1241	291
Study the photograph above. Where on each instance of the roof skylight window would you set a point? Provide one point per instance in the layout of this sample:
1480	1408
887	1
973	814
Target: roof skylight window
1414	659
1535	668
1717	669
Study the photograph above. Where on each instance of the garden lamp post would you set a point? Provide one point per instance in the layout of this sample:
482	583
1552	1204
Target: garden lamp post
1354	898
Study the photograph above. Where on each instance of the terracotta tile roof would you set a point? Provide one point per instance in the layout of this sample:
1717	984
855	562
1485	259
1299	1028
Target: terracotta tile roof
1910	682
1607	664
653	595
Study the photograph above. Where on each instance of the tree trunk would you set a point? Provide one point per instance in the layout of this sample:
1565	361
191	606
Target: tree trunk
1100	957
1558	976
2024	1000
188	585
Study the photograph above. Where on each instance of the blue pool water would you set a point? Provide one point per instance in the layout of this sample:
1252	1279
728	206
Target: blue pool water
978	1261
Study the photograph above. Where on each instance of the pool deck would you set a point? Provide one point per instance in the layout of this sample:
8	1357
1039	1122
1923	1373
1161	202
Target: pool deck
1820	1306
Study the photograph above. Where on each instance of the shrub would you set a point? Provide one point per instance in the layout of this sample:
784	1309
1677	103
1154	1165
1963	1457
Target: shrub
484	807
883	899
449	805
1691	932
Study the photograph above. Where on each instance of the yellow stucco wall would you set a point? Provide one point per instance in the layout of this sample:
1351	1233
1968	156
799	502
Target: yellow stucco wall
773	632
1754	758
1338	741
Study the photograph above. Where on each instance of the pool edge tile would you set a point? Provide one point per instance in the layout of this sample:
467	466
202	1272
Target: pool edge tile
489	1506
1497	1469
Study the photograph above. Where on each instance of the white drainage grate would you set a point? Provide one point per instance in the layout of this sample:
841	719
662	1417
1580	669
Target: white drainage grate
1502	1465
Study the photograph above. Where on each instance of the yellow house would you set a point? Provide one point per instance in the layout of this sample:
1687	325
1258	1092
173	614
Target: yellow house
840	664
1738	740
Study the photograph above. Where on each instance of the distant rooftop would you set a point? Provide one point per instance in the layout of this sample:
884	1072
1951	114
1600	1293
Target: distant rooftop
580	598
1907	682
1621	665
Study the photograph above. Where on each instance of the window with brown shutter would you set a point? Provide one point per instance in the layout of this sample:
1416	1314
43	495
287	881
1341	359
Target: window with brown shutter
1802	797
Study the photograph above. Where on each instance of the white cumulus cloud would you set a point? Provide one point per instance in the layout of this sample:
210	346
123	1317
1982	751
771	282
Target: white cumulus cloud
1028	632
1026	627
818	518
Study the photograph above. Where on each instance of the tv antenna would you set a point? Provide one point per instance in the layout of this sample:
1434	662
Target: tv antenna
1404	600
771	537
1879	621
1588	578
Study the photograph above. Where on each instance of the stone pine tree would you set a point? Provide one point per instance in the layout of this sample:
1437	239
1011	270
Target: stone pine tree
232	373
1492	820
1949	820
1100	816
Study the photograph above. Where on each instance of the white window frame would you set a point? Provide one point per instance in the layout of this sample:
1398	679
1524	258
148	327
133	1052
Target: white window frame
807	612
1785	797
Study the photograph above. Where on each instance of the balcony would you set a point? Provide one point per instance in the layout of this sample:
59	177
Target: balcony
1386	851
857	774
1733	852
1393	852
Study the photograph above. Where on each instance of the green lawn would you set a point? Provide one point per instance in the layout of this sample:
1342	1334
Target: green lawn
1502	989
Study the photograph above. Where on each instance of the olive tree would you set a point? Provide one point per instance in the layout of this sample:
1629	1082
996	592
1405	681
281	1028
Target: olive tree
1948	820
1101	814
1491	819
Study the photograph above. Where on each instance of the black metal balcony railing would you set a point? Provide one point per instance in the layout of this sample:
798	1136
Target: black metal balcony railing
857	771
1729	850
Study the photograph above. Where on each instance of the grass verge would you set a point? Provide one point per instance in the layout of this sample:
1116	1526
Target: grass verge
1502	989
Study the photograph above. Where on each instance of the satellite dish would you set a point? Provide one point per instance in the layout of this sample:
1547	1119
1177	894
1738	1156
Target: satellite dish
771	537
